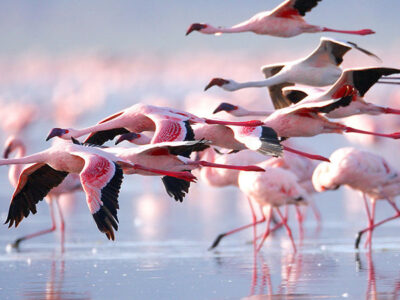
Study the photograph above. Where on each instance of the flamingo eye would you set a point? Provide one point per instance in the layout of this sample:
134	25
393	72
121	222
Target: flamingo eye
67	131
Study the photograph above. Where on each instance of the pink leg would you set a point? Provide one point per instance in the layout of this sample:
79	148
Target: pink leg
360	233
300	220
255	222
252	123
42	232
289	232
395	135
316	212
388	110
267	230
368	242
62	225
308	155
232	167
357	32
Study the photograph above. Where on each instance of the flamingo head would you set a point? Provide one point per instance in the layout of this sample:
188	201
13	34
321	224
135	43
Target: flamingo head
196	27
218	82
323	178
65	134
11	144
131	137
227	107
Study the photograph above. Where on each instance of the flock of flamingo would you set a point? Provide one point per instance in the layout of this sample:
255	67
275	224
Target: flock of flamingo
253	155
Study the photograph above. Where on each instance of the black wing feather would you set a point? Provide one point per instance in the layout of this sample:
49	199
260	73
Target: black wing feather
304	6
364	79
37	186
106	218
100	137
175	187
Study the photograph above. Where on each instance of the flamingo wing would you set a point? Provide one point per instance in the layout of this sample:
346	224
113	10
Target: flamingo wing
34	184
174	148
168	130
294	8
101	180
321	106
275	91
100	137
363	79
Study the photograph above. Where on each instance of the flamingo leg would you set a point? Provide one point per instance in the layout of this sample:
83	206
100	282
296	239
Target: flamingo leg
368	242
267	230
316	212
357	32
361	232
305	154
300	220
42	232
395	135
388	110
254	223
62	224
288	230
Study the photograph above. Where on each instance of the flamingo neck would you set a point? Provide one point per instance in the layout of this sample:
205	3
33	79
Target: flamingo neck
34	158
234	29
260	83
262	113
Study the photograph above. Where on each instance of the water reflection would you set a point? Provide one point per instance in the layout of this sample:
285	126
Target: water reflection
53	288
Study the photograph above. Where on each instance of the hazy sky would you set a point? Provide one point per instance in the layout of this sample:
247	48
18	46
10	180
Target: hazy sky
131	26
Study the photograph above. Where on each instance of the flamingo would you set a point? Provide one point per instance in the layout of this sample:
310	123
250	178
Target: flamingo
169	125
70	184
320	68
366	172
306	119
286	20
278	187
167	156
362	79
100	173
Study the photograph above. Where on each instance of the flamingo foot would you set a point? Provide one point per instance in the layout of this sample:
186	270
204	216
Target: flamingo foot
308	155
357	32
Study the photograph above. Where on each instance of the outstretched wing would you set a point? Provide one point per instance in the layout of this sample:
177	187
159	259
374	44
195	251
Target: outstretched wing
294	8
174	148
34	184
275	91
101	180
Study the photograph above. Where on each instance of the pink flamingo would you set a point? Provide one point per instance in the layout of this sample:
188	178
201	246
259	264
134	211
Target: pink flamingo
100	175
362	80
169	125
286	20
306	119
168	156
363	171
278	187
70	184
320	68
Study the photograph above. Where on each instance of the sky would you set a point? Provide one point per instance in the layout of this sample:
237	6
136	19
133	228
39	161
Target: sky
129	27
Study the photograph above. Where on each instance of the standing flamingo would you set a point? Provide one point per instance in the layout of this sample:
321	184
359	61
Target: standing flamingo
320	68
363	171
70	184
286	20
100	175
169	125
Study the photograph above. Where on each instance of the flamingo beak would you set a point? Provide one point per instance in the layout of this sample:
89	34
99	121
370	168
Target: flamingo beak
7	151
216	81
195	27
56	132
127	137
225	107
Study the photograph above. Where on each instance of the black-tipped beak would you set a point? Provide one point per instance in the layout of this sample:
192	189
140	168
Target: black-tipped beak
224	107
195	27
55	132
127	137
216	81
7	151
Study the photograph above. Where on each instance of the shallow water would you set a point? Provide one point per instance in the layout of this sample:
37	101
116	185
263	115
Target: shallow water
161	252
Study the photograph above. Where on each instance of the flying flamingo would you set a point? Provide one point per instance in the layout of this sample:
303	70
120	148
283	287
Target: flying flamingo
286	20
167	156
306	119
363	171
320	68
100	174
69	185
362	80
169	125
